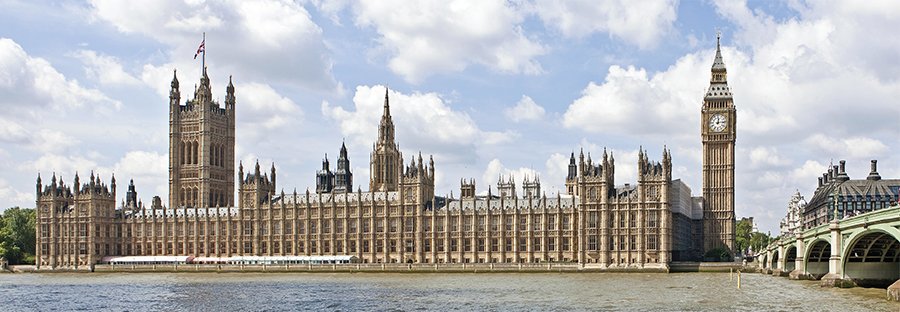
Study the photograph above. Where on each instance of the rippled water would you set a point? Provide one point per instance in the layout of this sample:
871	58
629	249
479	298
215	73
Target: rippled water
409	292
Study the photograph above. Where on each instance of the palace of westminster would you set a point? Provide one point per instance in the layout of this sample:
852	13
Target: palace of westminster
399	219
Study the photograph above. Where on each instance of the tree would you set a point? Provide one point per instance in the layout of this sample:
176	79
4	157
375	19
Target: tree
17	235
759	241
742	235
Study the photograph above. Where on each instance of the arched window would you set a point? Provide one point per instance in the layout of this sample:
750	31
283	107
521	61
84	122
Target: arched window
194	153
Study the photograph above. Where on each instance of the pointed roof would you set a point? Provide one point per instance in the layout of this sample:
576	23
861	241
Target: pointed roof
718	64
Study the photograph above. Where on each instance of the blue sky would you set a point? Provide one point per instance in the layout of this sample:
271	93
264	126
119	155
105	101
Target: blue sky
487	87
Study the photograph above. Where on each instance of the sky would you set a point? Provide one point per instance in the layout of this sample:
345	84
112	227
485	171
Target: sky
486	87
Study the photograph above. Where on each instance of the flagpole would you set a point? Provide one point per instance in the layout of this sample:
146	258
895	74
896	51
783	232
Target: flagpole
203	70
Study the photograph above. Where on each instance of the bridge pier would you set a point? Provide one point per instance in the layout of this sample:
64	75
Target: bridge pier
779	264
835	277
893	291
799	271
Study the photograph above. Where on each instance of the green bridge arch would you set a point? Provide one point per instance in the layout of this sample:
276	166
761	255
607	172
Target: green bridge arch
863	250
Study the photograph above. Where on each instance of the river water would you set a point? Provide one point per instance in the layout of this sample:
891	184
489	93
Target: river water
433	291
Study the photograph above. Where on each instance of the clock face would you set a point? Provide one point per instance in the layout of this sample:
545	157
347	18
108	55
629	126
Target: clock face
717	122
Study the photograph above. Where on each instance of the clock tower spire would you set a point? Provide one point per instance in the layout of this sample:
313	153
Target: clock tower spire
718	129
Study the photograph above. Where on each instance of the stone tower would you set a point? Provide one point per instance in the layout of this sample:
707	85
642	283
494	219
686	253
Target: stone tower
201	148
324	178
343	178
386	162
718	128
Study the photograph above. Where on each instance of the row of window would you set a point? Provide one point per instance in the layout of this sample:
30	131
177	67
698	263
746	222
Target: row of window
538	244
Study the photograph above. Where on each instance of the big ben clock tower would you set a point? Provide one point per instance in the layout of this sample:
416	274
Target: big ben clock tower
718	127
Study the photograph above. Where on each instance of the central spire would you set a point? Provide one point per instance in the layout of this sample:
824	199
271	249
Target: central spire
386	128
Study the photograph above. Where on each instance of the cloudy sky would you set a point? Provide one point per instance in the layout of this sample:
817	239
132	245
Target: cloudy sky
487	87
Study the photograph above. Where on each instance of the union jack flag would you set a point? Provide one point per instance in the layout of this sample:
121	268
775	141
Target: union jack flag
201	49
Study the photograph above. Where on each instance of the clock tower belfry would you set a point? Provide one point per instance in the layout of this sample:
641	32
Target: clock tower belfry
718	128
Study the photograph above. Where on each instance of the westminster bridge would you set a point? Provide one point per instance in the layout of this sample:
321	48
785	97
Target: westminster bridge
859	251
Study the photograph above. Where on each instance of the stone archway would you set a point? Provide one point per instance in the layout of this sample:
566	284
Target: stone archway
816	259
872	258
790	258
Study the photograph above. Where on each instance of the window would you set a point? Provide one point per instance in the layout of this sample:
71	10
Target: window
352	225
565	223
551	223
248	228
288	246
288	227
276	228
467	223
264	229
339	226
480	244
366	226
301	229
352	246
439	224
592	219
509	244
326	226
509	223
427	225
551	243
495	223
565	244
651	218
633	219
427	247
523	223
622	220
651	242
633	242
536	246
467	244
439	244
495	244
313	227
365	246
410	225
622	243
481	224
454	224
523	244
454	245
410	247
592	242
379	225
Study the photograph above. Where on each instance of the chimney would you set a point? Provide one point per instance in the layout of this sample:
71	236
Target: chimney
843	162
820	181
842	174
873	175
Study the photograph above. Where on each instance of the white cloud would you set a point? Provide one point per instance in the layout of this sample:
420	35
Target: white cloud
28	83
630	102
59	164
495	170
150	169
263	110
642	23
525	109
766	157
424	38
270	41
424	121
853	147
9	194
103	68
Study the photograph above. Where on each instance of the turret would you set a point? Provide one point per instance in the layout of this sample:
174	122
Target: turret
229	95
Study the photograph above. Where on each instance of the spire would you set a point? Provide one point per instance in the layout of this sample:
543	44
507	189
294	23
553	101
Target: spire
386	128
387	106
718	64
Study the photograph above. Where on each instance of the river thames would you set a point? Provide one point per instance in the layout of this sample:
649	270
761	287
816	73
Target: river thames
433	291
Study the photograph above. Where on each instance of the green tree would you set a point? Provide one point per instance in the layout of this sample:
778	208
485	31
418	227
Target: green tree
742	235
759	241
17	235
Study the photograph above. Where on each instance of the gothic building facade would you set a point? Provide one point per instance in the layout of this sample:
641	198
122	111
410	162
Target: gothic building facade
399	219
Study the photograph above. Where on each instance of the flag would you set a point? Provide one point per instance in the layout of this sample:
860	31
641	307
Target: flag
201	49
